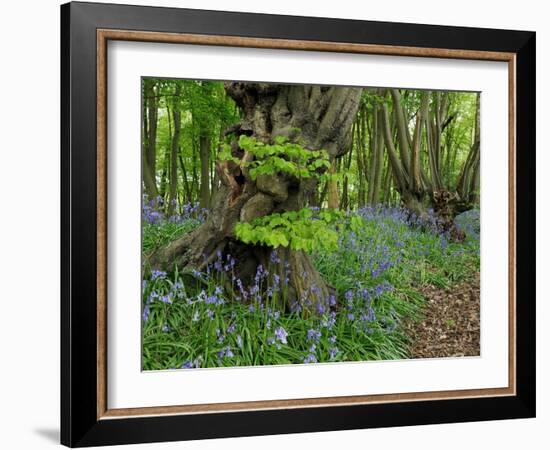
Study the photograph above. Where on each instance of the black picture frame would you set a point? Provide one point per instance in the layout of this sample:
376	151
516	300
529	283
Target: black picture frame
80	425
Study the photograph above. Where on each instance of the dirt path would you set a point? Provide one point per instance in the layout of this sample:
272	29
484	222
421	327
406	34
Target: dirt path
451	323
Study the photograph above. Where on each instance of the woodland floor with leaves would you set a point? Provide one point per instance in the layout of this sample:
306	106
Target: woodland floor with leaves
450	324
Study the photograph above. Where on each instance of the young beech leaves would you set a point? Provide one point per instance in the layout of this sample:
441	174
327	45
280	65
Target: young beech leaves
281	157
298	230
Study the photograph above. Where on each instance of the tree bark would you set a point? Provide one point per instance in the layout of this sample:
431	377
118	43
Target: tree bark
173	179
204	149
332	186
321	117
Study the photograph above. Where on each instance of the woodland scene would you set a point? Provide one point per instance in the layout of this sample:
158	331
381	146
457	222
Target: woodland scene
299	224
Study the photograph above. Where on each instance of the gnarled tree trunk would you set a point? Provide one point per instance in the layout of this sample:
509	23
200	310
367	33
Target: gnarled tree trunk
321	117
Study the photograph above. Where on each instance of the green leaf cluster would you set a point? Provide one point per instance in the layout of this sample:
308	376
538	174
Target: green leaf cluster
298	230
281	157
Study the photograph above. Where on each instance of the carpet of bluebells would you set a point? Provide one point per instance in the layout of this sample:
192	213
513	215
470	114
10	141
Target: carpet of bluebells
376	272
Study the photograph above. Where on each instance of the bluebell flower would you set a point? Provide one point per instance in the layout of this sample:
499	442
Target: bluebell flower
158	274
187	365
274	257
225	352
330	321
146	313
370	315
332	352
281	335
239	341
320	308
211	300
313	335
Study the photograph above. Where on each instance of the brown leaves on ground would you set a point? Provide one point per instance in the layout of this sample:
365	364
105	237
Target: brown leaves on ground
450	326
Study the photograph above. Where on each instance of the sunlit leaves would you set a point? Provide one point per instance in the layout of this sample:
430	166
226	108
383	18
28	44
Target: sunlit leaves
282	157
298	230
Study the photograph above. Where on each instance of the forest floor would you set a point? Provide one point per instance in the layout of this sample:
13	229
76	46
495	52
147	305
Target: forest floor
450	326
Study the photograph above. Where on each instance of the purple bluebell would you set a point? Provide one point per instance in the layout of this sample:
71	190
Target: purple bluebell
281	335
313	335
274	257
320	308
158	274
226	352
145	313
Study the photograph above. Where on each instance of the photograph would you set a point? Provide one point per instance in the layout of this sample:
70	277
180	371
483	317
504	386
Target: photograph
302	224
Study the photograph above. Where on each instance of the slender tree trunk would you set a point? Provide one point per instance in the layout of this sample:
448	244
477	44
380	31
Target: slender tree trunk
361	158
186	187
195	176
375	198
377	141
333	197
468	182
403	137
387	183
415	181
204	148
173	180
346	163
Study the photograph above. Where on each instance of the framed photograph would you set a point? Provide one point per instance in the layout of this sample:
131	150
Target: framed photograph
277	224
